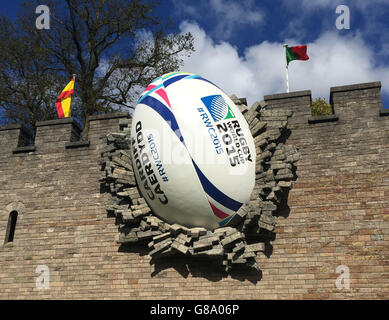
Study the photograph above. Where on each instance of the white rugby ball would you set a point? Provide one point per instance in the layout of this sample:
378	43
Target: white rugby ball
192	151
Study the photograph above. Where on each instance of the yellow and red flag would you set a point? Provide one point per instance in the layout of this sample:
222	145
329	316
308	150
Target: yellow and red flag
64	100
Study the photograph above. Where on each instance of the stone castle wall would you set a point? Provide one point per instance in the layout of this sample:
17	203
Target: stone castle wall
339	214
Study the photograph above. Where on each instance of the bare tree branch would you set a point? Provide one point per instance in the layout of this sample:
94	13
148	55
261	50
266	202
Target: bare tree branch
101	41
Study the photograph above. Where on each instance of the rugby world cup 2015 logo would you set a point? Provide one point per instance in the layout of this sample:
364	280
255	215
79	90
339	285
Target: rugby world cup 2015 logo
218	108
228	130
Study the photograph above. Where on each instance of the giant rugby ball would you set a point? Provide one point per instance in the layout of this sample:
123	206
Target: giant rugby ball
192	151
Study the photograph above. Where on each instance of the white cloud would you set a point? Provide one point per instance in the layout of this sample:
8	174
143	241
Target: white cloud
225	16
242	12
219	63
309	4
334	60
231	15
370	17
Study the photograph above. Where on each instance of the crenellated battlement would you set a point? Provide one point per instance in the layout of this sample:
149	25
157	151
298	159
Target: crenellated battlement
53	136
349	103
353	138
13	136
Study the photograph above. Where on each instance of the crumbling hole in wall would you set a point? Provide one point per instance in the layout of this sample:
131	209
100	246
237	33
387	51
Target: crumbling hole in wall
232	249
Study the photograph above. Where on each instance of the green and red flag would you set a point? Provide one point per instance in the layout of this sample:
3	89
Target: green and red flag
296	53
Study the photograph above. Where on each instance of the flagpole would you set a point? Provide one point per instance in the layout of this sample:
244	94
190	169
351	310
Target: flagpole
287	71
287	79
74	81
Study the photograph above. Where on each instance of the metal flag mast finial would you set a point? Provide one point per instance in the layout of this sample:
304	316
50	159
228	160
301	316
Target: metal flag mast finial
74	79
287	72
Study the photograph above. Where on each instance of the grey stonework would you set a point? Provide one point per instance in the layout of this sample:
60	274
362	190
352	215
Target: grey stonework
275	173
337	214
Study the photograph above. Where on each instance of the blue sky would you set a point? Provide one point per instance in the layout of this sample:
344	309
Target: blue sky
239	43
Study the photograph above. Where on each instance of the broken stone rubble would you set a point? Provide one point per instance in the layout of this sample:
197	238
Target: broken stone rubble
274	177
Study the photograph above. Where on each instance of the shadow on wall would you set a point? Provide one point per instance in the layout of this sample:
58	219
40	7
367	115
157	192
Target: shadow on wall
199	266
195	266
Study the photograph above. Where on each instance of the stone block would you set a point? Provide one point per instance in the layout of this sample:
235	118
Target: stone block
249	254
161	246
180	247
255	247
161	237
240	260
265	226
131	237
201	246
286	176
144	226
279	165
183	239
230	240
285	184
143	235
175	228
225	231
268	205
258	128
197	232
239	247
214	252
